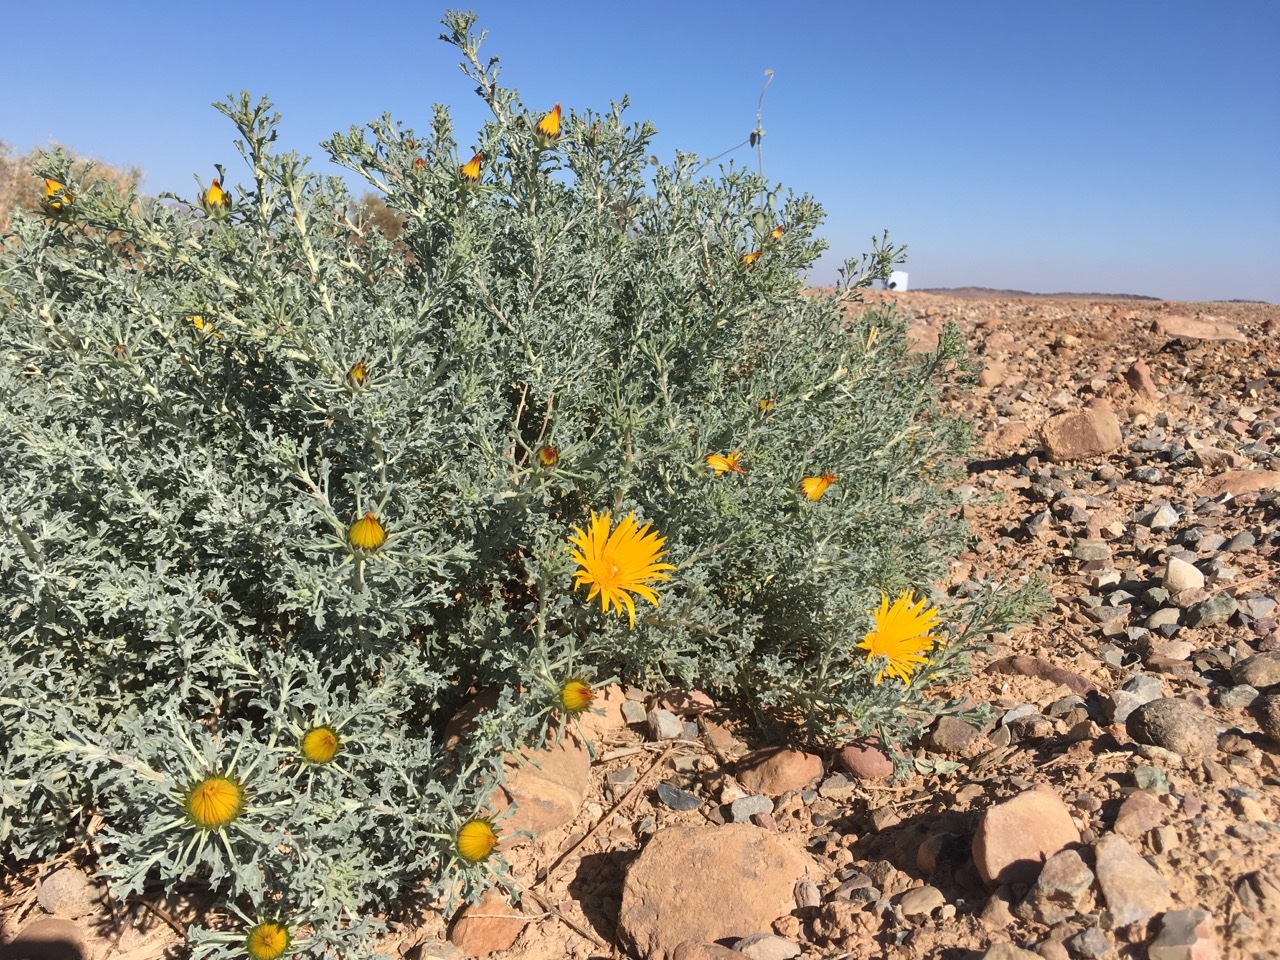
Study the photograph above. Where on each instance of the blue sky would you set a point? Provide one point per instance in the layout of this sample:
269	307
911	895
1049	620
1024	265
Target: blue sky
1098	145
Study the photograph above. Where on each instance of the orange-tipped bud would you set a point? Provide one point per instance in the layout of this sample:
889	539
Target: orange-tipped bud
358	375
320	744
549	126
576	695
815	487
548	456
470	170
419	162
216	201
367	533
120	351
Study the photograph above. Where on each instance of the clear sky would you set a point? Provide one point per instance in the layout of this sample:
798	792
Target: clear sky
1124	146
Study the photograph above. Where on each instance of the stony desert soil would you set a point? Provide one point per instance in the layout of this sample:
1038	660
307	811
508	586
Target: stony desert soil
1127	455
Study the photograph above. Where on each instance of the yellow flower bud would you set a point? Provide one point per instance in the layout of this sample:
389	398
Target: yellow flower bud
575	695
367	533
471	169
476	840
320	744
212	802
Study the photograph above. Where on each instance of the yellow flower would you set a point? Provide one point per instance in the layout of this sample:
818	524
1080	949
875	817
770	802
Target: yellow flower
476	840
56	196
749	259
367	533
766	404
548	456
204	327
576	695
214	801
358	374
615	565
267	940
901	635
549	126
471	169
320	744
216	201
726	464
776	234
815	487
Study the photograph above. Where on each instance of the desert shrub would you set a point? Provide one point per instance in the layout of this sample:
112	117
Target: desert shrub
281	492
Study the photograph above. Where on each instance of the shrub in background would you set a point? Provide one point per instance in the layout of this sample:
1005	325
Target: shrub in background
283	487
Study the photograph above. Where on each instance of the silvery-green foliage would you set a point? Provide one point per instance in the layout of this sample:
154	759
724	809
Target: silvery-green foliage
189	438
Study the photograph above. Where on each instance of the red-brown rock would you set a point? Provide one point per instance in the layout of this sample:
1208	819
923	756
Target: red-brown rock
865	760
1091	432
775	771
1014	838
706	884
547	786
487	926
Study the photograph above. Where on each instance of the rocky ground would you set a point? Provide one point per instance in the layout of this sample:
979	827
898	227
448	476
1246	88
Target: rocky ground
1124	801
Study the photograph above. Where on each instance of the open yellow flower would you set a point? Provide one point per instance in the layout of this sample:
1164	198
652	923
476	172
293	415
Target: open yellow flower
730	463
471	169
367	533
776	233
56	196
549	126
213	801
815	487
619	563
476	840
748	260
902	635
320	744
267	940
576	695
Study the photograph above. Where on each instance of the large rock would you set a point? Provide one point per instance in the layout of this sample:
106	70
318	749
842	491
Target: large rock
774	771
1015	838
1260	671
487	926
49	938
1091	432
1133	889
1174	724
1195	328
1185	935
1239	481
1061	891
547	786
705	884
865	759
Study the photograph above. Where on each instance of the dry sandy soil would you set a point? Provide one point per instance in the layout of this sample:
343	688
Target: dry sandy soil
1201	407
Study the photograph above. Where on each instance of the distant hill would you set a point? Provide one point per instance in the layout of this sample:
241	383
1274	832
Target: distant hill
987	293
